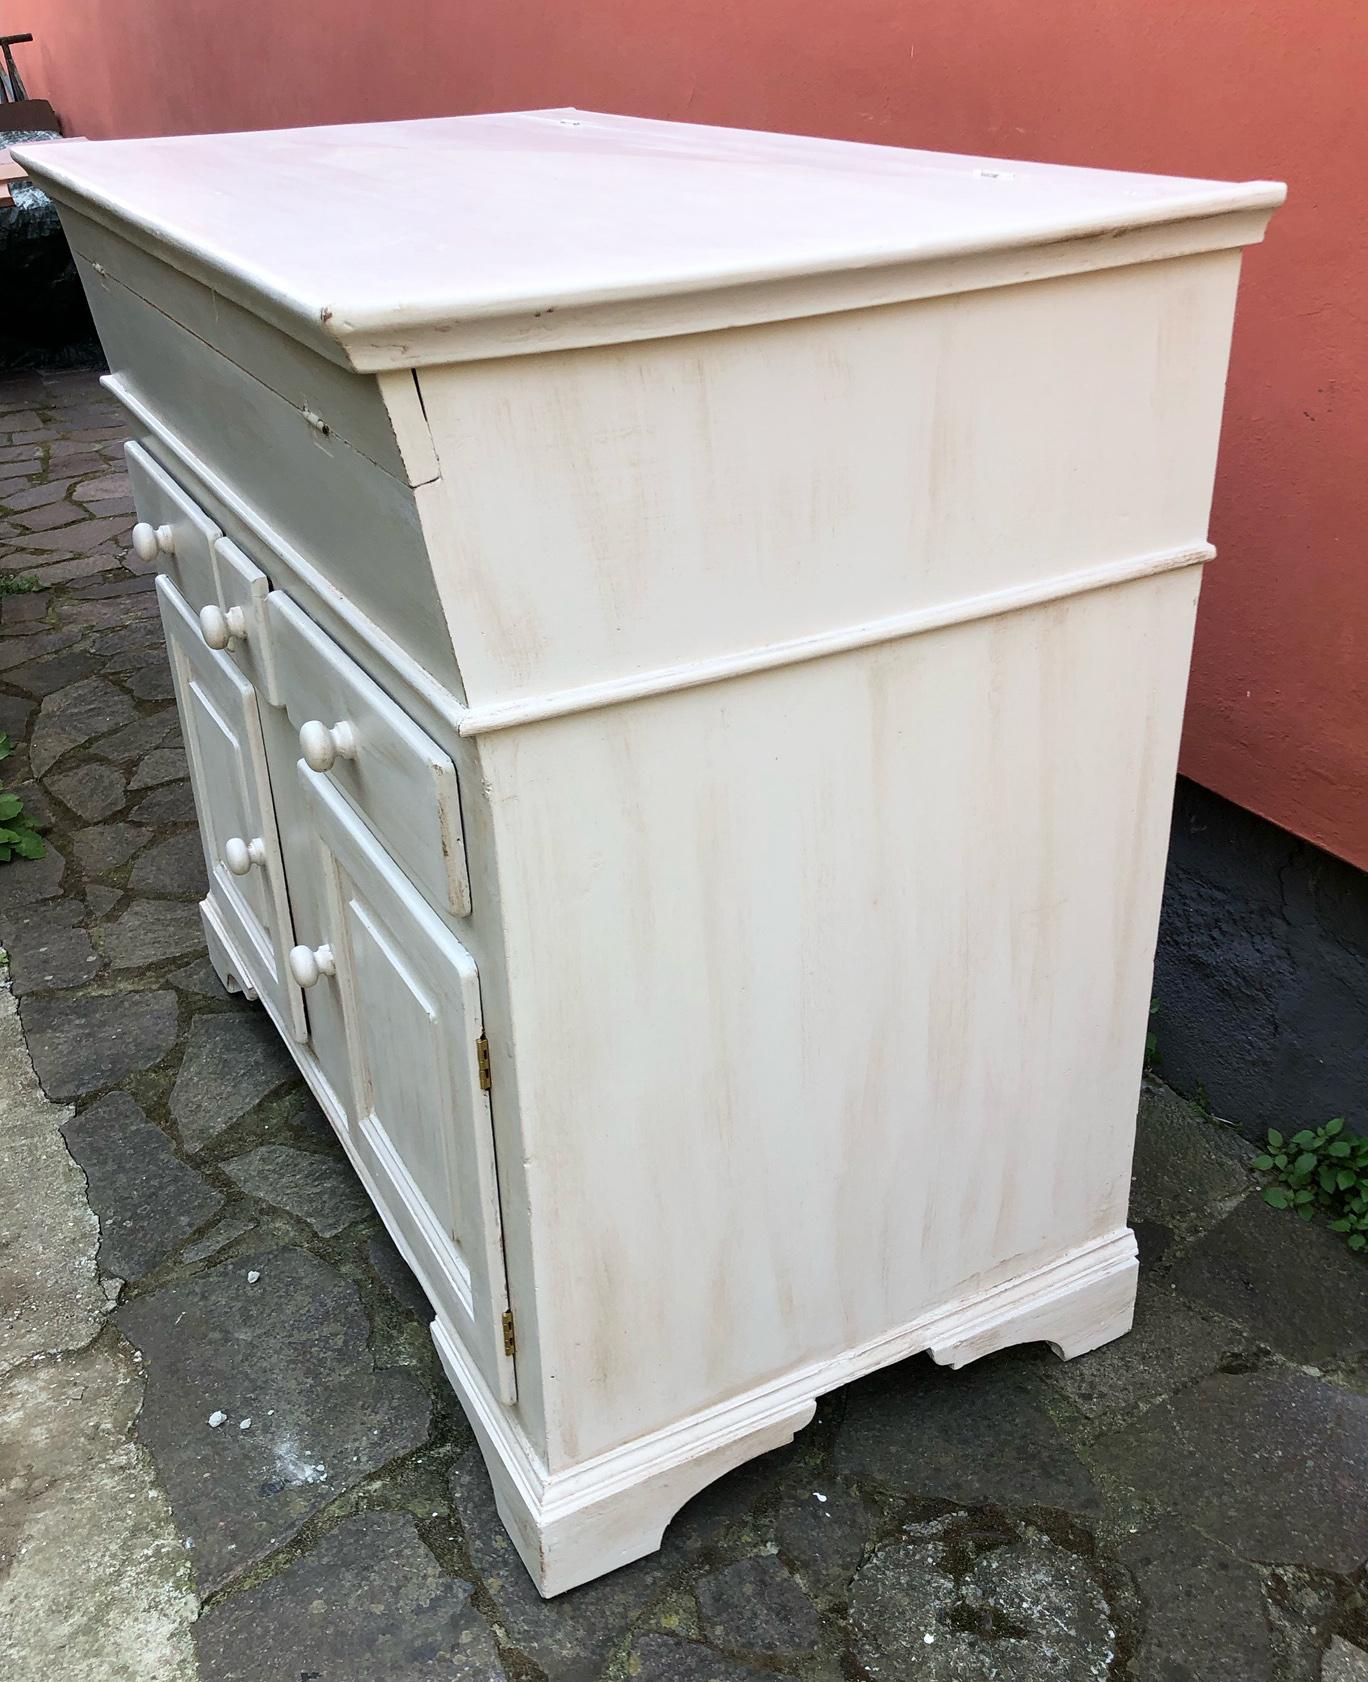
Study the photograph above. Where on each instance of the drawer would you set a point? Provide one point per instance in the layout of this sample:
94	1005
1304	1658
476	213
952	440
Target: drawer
238	625
396	776
171	530
228	773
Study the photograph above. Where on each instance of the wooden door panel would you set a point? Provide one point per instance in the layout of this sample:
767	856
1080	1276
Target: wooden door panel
232	791
410	997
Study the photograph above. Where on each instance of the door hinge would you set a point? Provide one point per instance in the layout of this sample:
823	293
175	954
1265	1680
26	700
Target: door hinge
510	1341
482	1063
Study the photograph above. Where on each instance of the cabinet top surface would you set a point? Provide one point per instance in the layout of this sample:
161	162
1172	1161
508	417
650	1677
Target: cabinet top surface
374	240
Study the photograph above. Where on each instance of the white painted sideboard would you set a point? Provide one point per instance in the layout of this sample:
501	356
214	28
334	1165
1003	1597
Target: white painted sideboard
681	637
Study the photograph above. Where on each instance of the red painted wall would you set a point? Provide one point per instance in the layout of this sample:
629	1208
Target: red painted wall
1278	714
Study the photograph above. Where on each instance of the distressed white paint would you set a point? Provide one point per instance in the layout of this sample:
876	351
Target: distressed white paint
744	621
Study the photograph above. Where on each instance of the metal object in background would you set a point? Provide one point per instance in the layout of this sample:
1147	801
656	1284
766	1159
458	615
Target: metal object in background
11	82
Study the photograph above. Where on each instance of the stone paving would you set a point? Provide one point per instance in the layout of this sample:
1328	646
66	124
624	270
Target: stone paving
1188	1503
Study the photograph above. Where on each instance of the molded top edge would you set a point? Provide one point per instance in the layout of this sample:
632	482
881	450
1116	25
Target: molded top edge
377	243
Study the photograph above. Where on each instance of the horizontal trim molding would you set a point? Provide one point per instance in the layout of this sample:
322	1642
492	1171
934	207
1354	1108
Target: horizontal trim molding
532	709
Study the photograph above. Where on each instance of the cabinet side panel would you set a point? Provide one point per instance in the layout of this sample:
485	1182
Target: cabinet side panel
619	510
828	990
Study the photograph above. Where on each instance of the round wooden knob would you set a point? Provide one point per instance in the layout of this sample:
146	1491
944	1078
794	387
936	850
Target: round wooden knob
240	855
323	747
307	963
146	541
219	628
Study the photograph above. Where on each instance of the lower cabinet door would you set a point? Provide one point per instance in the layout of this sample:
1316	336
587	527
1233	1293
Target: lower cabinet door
222	731
410	1000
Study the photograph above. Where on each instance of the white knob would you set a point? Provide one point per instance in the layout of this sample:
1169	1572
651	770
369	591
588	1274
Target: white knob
219	628
308	963
240	855
322	747
150	541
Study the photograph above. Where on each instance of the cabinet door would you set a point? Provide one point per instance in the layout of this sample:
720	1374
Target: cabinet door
410	999
222	730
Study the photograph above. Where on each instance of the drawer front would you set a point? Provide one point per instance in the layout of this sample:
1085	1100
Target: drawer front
184	534
409	997
242	630
396	776
222	730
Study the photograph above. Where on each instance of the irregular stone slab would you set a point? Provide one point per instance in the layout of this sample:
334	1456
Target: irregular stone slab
171	803
162	765
366	1602
1273	1464
17	650
82	1044
398	1277
106	846
979	1437
824	1531
49	1291
97	1584
570	1636
85	535
321	1190
1204	1613
1025	1612
51	673
1344	1663
199	978
48	950
152	683
754	1607
289	1353
148	1201
103	487
174	867
25	881
665	1658
92	791
233	1059
139	738
151	931
1169	1345
73	716
1296	1286
1183	1161
101	899
219	1237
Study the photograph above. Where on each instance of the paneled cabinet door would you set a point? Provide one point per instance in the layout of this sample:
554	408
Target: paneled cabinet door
222	730
410	998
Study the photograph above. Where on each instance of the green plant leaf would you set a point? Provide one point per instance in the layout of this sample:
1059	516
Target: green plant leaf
1304	1163
1304	1138
1358	1242
1276	1196
30	846
1335	1126
1341	1148
1275	1139
1263	1163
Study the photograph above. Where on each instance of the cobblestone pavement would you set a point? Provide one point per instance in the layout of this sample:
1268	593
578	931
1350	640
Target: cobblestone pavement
1187	1503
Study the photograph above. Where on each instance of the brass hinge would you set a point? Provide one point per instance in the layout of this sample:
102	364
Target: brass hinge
482	1063
510	1342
